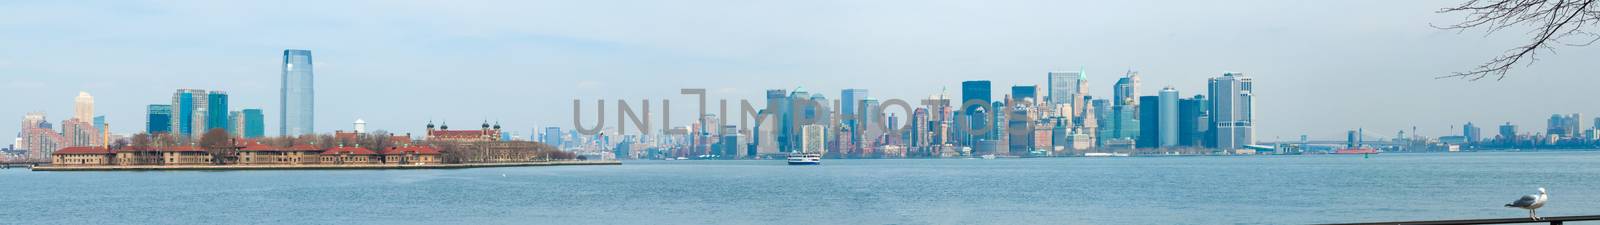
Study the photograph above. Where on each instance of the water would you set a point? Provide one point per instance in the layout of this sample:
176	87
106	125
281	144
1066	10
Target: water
1173	190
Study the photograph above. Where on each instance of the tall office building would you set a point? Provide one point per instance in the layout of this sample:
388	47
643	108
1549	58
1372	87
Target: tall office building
814	139
975	100
1149	122
298	100
100	123
1168	117
1067	88
83	107
1025	92
778	104
1232	110
217	111
1126	90
1508	133
255	124
158	119
1473	133
189	112
849	100
1193	122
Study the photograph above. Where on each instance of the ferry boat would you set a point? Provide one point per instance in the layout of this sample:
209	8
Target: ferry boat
805	158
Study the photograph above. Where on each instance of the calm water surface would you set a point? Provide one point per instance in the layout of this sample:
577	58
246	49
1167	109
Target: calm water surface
1171	190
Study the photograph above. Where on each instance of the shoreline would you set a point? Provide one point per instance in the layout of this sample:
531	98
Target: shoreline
320	167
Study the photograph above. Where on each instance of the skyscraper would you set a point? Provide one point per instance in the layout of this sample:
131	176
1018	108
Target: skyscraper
1168	117
1025	92
1193	122
849	99
975	95
189	112
1149	122
158	119
217	111
1232	110
782	121
1472	132
298	100
1126	90
1066	88
1508	133
255	125
83	107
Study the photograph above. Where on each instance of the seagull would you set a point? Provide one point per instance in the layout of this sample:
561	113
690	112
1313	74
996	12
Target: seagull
1531	203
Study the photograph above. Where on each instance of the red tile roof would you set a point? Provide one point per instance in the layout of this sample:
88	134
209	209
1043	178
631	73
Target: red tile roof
262	148
183	149
349	150
82	150
420	150
458	133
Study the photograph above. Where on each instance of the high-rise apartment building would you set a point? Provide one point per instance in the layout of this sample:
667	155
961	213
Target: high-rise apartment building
189	112
83	107
217	111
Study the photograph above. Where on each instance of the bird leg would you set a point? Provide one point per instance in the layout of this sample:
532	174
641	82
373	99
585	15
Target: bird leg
1534	214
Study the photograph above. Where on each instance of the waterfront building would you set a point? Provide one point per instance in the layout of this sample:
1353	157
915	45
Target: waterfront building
411	155
351	155
189	112
158	119
297	96
185	155
1232	110
443	133
849	100
259	154
82	156
83	107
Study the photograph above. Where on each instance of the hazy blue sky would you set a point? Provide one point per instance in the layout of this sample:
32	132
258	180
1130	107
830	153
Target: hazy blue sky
1321	67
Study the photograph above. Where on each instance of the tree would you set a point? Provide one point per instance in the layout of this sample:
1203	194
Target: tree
219	145
140	140
1553	22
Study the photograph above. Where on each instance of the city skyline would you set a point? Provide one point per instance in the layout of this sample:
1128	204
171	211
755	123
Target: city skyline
578	70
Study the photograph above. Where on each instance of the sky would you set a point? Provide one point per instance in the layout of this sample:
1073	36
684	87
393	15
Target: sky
1320	67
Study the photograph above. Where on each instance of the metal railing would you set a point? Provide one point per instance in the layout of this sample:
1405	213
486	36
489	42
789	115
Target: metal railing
1551	220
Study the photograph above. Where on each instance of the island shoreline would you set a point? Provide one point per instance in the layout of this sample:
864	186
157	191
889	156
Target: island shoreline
321	166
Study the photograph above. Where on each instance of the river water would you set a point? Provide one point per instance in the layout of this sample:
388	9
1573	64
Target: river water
1136	190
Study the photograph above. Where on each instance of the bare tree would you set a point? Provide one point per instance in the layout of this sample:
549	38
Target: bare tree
219	144
1553	22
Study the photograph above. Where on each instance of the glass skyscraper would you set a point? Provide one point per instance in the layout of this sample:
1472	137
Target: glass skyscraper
158	119
254	123
216	111
298	95
189	112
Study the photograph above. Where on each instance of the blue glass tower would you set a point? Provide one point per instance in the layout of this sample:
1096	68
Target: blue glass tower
216	111
158	119
254	123
298	95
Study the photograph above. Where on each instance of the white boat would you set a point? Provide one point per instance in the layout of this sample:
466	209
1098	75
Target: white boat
805	158
988	156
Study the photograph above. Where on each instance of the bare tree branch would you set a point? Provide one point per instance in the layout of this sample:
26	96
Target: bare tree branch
1552	22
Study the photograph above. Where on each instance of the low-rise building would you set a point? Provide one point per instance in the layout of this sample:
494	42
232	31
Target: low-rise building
128	156
351	155
411	155
185	155
82	156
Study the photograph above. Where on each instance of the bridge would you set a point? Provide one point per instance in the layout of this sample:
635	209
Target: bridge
1522	220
